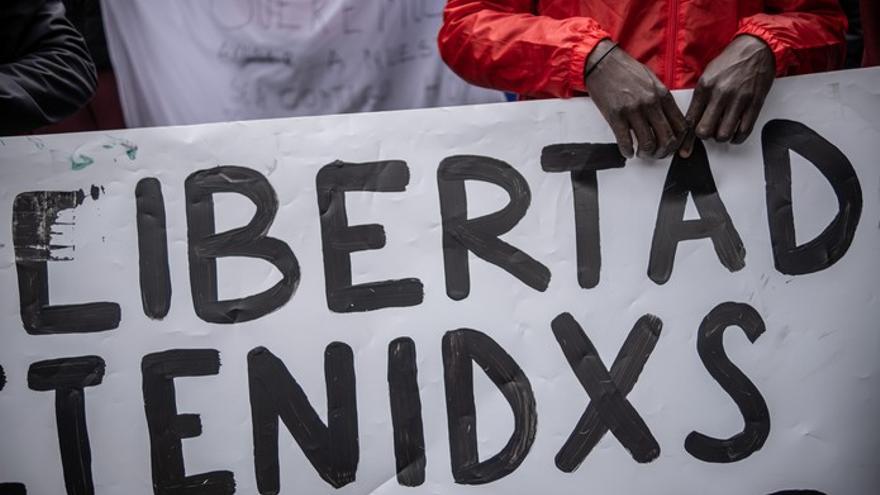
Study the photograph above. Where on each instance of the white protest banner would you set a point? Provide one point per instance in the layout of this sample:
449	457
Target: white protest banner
197	61
470	300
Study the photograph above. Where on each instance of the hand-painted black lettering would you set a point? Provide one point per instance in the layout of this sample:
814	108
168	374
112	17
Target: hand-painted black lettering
332	449
692	176
69	377
167	428
609	408
34	214
778	138
710	346
582	161
481	235
406	412
251	241
12	489
155	278
339	239
460	348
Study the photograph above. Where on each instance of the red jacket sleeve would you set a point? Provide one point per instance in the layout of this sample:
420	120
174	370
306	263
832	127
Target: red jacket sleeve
502	44
805	35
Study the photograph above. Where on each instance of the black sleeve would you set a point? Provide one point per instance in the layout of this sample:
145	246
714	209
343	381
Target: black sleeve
46	73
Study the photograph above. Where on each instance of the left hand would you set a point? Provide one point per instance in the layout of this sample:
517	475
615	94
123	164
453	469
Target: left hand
730	93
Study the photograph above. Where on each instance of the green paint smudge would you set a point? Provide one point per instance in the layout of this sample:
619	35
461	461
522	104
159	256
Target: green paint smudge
131	150
80	162
37	142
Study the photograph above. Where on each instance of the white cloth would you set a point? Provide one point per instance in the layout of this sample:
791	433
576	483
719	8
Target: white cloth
196	61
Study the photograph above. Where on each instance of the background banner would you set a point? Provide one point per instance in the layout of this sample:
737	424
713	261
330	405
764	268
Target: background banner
484	299
197	61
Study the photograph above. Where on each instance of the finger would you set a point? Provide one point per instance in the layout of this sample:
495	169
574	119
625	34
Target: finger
674	116
698	105
662	129
647	143
747	122
687	145
695	110
711	118
620	128
731	119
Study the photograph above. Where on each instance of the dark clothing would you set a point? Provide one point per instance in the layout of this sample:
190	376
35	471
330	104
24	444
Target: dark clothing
871	32
102	113
46	72
86	18
853	34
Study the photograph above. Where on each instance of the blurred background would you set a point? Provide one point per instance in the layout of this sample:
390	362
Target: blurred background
172	62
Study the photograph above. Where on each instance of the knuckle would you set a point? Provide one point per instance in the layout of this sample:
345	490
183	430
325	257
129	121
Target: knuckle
702	131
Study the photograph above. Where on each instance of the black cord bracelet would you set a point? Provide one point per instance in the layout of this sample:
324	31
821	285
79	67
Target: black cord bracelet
591	69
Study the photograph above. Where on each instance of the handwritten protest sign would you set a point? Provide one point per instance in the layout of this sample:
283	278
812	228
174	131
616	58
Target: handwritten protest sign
486	299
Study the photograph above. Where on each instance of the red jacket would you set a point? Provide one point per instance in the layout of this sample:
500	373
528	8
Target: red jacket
538	47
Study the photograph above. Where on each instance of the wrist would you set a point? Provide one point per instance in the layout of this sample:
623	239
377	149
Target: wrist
756	48
752	42
599	53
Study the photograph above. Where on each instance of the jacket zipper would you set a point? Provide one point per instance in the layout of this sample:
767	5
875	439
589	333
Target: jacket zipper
672	27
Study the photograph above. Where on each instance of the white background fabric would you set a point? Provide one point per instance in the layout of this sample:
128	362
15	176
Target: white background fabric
195	61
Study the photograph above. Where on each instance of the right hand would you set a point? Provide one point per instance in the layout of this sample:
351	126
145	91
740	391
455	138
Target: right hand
631	98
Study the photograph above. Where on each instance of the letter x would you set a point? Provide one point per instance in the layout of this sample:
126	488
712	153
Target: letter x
608	409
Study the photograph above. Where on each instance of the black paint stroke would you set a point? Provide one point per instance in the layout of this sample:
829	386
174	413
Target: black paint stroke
692	176
481	235
155	277
2	378
167	428
460	348
251	241
582	160
710	346
778	138
332	449
798	492
12	489
339	239
68	378
406	412
609	409
33	216
96	191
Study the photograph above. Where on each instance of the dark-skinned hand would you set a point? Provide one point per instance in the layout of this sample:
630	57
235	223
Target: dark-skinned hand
632	99
730	93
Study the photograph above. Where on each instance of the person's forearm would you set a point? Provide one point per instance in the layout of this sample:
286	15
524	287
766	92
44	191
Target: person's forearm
805	36
53	77
504	45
